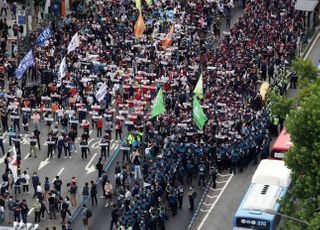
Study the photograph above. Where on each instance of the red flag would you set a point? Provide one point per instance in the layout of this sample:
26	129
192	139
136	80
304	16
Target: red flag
168	39
139	27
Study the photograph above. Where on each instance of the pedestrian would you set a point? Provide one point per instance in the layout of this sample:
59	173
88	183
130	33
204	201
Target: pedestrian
85	193
37	211
33	143
36	133
60	146
108	189
46	186
52	206
86	215
57	184
51	145
73	193
11	207
35	182
99	167
118	129
93	193
114	216
39	192
84	147
25	178
137	168
192	196
99	127
24	211
17	211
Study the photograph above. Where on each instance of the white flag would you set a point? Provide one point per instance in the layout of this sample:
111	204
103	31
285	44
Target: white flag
13	165
75	42
101	92
62	71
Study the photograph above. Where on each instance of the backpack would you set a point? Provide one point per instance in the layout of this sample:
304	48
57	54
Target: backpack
23	180
73	189
89	213
47	185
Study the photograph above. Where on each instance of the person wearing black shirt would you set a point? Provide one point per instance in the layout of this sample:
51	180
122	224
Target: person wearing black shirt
93	193
114	216
57	184
84	147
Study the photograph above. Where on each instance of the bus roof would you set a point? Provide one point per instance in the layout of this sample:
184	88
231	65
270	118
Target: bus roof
283	142
272	172
262	197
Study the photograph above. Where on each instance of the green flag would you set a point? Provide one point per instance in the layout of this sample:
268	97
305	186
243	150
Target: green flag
138	5
198	90
149	2
198	116
158	106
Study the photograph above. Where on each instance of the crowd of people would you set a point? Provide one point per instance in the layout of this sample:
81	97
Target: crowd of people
162	156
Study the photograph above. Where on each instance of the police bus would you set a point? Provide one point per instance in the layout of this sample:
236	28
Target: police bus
259	207
281	145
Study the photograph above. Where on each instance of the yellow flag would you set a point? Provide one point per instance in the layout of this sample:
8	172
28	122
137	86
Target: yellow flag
139	27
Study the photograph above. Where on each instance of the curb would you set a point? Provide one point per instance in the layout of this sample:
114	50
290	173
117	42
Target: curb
106	167
311	44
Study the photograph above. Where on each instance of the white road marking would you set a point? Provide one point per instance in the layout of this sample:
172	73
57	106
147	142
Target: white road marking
221	182
91	168
43	163
90	132
113	145
59	173
216	189
202	210
205	204
27	156
214	203
212	197
30	211
223	175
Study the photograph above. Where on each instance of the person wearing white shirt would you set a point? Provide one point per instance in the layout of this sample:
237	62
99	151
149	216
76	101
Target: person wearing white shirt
25	178
39	192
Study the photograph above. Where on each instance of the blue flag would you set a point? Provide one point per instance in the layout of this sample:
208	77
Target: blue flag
43	36
26	62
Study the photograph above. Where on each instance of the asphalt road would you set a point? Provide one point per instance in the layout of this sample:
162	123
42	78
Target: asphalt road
84	170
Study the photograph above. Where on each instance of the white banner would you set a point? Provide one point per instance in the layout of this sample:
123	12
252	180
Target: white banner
101	92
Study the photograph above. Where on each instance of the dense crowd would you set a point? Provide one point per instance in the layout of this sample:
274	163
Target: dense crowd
163	155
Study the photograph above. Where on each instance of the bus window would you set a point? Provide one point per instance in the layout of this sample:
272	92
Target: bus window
281	145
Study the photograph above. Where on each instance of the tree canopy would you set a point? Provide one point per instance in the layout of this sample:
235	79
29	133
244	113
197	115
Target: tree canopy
304	159
307	72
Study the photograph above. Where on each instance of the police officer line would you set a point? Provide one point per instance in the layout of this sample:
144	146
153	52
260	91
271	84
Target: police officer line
93	142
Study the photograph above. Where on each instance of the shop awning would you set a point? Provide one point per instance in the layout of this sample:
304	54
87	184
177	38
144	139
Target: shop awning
306	5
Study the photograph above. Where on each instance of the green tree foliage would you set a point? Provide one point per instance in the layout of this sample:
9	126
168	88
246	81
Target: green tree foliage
307	72
304	160
279	106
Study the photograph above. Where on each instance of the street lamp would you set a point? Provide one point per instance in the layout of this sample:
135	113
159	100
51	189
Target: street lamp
272	212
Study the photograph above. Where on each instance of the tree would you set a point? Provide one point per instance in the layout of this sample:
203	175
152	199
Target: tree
279	106
307	72
304	160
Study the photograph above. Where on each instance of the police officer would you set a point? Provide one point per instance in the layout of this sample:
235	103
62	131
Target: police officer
180	194
202	175
213	173
192	196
